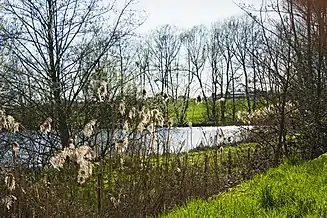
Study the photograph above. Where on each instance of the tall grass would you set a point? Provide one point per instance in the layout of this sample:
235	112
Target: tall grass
291	190
125	185
130	177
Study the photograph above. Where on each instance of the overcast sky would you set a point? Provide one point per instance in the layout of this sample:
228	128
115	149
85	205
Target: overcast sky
187	13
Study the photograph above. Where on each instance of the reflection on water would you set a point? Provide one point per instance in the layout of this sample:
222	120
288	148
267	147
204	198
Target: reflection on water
187	138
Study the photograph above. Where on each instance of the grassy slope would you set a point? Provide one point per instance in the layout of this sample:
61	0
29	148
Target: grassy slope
287	191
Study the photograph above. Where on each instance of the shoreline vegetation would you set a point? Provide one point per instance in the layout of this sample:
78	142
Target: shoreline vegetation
127	180
135	182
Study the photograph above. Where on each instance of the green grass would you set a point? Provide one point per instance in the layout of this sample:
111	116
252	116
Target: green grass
291	190
196	112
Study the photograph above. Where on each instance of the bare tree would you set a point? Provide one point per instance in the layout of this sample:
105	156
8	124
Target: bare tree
142	61
222	61
296	52
247	47
165	45
195	43
56	47
214	58
308	21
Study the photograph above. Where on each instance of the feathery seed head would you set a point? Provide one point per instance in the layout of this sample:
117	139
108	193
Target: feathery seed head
122	108
132	113
102	91
82	155
46	125
8	201
140	126
71	143
126	127
15	149
10	182
89	127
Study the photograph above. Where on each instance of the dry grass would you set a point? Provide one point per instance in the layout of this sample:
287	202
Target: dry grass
134	186
129	181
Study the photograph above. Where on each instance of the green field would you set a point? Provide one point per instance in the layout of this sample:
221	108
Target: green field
197	114
291	190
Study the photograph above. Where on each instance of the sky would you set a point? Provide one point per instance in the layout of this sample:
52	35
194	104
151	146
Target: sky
187	13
